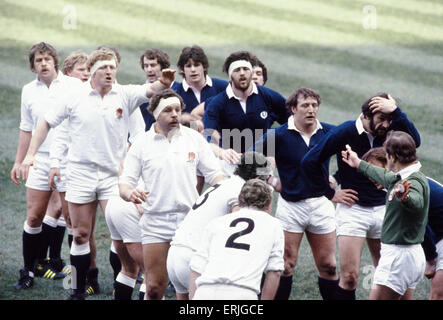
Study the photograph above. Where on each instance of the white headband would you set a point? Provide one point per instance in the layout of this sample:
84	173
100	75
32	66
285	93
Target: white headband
100	63
163	104
238	64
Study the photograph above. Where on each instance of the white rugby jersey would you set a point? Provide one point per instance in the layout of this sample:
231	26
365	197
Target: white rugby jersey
98	126
169	168
216	201
237	248
38	99
61	139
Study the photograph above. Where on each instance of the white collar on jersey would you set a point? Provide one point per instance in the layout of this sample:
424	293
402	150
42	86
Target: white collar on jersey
231	94
186	85
406	172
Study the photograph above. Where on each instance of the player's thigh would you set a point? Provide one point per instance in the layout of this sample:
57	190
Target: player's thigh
323	248
36	205
437	286
374	246
129	265
292	247
54	205
381	292
154	259
135	250
65	209
82	216
350	249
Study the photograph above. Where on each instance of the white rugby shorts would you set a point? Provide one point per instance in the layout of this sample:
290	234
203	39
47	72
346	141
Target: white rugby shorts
38	178
177	264
439	246
401	267
122	218
223	292
87	183
315	215
358	221
159	227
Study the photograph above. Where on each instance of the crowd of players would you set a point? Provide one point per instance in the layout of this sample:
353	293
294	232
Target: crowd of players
144	153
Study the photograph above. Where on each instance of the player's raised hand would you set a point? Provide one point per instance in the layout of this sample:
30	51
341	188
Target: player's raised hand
350	157
230	156
26	165
379	104
402	189
167	77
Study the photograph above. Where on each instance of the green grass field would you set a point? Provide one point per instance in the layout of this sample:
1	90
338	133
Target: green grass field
329	46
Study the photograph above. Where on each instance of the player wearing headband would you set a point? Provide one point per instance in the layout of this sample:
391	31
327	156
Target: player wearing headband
98	115
235	114
216	201
167	158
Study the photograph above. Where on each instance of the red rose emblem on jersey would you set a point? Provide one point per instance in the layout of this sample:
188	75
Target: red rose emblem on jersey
191	156
119	113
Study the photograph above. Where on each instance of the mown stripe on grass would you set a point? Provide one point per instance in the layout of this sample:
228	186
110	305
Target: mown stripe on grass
319	54
283	32
390	25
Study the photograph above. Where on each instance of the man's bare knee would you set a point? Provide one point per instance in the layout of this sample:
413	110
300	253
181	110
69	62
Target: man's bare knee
34	221
329	269
349	280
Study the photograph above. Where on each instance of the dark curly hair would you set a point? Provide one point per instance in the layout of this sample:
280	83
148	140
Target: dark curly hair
253	165
238	55
43	47
197	54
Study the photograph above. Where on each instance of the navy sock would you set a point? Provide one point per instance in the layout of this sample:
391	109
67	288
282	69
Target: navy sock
31	243
116	265
327	288
81	264
70	239
122	291
284	288
55	243
342	294
48	233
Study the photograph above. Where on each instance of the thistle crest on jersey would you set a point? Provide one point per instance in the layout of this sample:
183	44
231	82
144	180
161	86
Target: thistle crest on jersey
264	114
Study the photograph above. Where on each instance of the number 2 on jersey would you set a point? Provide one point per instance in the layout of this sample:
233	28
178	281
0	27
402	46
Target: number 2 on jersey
230	243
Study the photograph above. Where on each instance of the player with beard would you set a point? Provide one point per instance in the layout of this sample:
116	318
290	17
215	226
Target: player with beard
359	214
243	107
166	158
